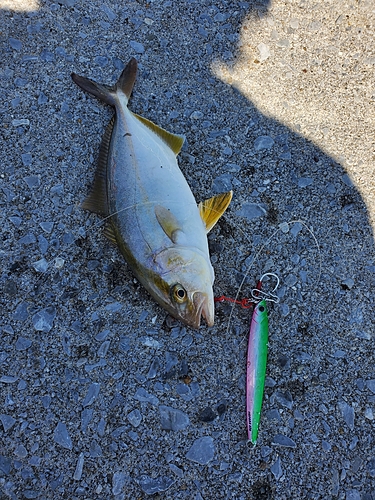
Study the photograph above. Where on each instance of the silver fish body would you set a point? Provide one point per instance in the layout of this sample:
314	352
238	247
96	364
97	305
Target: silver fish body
154	218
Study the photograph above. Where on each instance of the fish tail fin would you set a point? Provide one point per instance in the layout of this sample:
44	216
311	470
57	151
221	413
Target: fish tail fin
102	92
127	78
108	94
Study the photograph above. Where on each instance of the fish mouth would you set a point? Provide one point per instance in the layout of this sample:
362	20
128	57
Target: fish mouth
203	306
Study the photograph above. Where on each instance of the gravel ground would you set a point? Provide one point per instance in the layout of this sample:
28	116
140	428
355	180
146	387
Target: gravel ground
101	395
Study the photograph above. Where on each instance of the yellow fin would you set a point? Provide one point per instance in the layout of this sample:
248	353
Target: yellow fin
212	209
168	222
174	141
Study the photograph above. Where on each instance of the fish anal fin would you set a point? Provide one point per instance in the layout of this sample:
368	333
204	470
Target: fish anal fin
97	200
109	233
168	222
212	209
174	141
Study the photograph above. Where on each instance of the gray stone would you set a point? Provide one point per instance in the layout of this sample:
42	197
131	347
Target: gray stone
79	467
276	469
61	436
23	344
154	368
8	421
144	396
284	398
119	480
135	418
152	485
263	142
202	451
15	44
173	419
5	464
284	441
40	266
251	211
43	320
137	47
347	412
92	394
264	52
179	472
20	451
21	313
109	12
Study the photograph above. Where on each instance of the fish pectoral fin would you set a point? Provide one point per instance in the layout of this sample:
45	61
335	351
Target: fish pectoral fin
110	234
174	141
212	209
168	222
97	200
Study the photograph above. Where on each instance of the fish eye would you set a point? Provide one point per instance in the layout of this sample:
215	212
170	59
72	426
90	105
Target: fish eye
178	293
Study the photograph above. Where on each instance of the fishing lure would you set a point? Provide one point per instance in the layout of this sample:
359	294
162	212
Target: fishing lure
256	368
257	358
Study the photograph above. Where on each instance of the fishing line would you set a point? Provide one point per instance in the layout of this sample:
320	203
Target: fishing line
259	252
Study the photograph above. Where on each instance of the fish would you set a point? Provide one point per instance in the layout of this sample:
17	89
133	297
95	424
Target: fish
152	214
256	368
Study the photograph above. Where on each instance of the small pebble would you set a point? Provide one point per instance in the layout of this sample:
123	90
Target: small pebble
137	47
276	469
264	52
173	419
15	44
43	320
207	415
251	211
369	414
61	436
263	142
8	421
109	12
284	441
23	344
40	266
347	412
21	313
284	227
179	472
92	394
151	485
144	396
202	451
79	467
135	418
154	368
119	480
304	182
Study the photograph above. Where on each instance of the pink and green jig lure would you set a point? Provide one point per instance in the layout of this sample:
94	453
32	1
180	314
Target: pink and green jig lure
257	358
256	352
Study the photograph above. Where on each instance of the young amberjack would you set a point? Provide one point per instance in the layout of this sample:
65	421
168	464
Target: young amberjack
152	213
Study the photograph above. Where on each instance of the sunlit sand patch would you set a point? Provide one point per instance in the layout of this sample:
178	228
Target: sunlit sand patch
19	5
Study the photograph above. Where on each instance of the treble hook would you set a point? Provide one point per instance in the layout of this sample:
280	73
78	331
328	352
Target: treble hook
269	296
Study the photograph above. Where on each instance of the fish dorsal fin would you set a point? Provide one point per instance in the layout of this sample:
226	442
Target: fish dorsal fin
212	209
97	200
168	222
174	141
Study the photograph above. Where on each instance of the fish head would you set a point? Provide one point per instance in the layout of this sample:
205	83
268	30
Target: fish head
185	287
